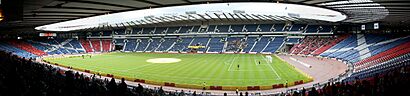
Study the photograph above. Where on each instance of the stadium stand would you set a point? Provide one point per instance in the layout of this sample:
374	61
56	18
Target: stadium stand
236	28
173	30
391	82
153	44
167	44
250	28
250	42
278	27
329	45
364	46
310	44
130	45
223	29
87	45
60	46
369	39
200	41
143	45
27	47
293	40
380	73
106	45
19	52
41	79
106	33
383	56
181	44
274	44
136	31
216	44
185	29
384	53
212	44
96	44
260	44
343	43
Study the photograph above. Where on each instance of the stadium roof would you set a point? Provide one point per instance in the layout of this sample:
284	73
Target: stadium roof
42	12
202	12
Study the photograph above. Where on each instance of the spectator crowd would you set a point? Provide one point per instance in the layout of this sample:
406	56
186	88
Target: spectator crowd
23	77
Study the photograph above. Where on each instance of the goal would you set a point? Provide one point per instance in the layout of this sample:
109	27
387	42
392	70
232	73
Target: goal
268	58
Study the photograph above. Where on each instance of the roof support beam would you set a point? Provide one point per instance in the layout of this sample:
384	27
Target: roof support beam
99	3
232	16
202	17
58	12
123	24
187	1
149	2
213	19
245	17
217	15
78	8
236	14
117	26
226	17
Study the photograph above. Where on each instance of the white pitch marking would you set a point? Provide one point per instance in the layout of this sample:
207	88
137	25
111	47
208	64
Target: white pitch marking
300	62
273	69
229	69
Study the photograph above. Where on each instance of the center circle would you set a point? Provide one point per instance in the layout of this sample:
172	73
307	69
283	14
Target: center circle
163	60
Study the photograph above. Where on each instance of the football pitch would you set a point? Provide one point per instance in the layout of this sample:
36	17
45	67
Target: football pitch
191	69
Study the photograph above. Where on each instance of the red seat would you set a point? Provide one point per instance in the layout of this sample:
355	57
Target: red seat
27	47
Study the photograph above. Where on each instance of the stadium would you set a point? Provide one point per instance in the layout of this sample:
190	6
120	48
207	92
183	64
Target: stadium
204	47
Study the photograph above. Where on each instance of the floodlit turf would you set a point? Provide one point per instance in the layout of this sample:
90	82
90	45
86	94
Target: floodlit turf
214	69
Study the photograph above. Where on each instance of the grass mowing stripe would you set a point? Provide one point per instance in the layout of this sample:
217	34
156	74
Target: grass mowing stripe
258	73
199	69
177	72
223	70
198	66
270	65
192	66
216	66
244	74
193	69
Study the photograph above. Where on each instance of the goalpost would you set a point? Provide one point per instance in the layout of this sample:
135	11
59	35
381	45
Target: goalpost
268	58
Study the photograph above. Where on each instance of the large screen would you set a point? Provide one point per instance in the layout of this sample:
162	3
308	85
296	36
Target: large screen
48	34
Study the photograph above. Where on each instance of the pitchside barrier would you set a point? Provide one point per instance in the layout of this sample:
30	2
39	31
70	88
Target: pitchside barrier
265	87
191	86
154	82
233	88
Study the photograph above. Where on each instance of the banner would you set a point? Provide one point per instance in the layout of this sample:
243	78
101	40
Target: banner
196	47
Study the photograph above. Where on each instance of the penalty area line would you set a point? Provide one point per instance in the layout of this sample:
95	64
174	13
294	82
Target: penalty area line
229	69
277	75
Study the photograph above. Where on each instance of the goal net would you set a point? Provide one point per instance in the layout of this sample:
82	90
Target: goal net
268	58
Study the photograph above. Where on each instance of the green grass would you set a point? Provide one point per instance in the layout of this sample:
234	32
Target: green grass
214	69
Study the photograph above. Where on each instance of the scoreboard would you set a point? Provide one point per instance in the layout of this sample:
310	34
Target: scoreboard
48	34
